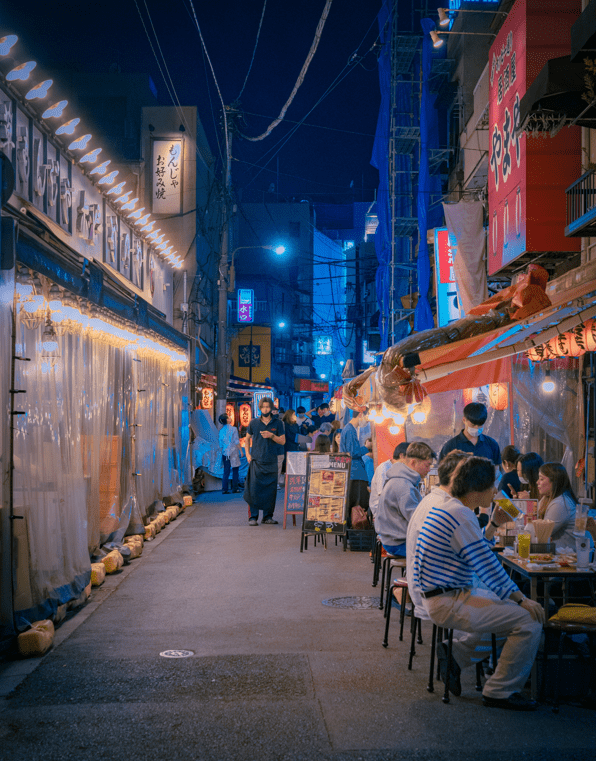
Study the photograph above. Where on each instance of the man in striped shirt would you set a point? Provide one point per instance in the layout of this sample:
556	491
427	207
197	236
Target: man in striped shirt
450	549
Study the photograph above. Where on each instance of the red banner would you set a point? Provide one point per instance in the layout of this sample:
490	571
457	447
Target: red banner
528	176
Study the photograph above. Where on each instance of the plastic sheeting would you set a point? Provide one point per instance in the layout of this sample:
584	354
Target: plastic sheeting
547	422
6	300
99	441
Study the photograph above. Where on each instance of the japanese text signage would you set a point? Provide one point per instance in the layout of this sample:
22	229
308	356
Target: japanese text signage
246	301
527	177
327	483
448	301
167	176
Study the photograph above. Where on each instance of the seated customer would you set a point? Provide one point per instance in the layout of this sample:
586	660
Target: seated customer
527	470
380	476
322	444
557	502
449	551
400	497
510	483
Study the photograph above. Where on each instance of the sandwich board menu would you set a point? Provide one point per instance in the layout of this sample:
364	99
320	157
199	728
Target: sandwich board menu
295	485
327	484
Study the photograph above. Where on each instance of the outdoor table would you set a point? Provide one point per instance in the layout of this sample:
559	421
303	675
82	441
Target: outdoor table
546	574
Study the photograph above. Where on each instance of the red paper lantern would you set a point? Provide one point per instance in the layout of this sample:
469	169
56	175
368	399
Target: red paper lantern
468	395
589	335
577	345
498	395
231	413
245	415
207	399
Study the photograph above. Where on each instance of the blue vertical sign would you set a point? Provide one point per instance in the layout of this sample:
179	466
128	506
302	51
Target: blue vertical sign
246	310
448	301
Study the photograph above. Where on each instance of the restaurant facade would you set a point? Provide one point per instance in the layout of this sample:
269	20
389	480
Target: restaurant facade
98	258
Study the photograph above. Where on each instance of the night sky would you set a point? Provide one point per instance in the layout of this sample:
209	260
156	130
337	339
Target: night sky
321	159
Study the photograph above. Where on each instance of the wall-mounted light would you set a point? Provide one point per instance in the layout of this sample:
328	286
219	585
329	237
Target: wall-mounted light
80	144
68	127
6	43
135	214
91	157
101	168
40	90
21	72
118	189
55	110
109	178
438	42
128	204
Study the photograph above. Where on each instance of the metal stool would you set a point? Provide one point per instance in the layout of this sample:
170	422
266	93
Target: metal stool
437	636
415	623
389	562
564	628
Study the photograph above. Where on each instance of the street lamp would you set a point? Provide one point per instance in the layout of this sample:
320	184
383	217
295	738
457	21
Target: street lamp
438	42
279	250
281	324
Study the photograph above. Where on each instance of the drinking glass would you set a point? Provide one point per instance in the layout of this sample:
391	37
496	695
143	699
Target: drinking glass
523	545
581	518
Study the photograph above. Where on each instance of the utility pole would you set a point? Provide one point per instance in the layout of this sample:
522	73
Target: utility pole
358	358
221	365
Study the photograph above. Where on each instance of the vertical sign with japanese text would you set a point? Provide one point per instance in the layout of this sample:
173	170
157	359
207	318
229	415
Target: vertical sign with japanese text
167	176
527	176
448	301
246	300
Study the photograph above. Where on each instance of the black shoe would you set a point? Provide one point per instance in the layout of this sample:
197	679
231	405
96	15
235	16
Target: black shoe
454	674
235	491
514	702
270	522
253	522
225	492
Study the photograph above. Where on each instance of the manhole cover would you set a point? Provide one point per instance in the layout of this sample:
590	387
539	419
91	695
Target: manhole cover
354	603
177	653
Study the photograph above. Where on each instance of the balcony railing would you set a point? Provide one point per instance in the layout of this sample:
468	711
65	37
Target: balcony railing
581	207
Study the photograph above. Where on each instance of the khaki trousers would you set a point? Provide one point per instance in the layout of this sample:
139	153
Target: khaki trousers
478	613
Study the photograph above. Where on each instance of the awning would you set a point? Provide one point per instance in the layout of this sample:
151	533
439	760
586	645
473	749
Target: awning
554	99
583	34
477	361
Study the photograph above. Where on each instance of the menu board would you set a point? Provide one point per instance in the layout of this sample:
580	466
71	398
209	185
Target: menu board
295	484
327	484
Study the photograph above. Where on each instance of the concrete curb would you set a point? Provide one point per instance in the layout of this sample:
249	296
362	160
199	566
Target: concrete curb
12	673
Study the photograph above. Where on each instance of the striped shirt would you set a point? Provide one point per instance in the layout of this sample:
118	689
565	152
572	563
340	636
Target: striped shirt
451	548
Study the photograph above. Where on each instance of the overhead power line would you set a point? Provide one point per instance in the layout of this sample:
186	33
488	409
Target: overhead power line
300	80
254	51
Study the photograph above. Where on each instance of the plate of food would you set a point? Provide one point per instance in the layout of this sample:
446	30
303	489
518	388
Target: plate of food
542	558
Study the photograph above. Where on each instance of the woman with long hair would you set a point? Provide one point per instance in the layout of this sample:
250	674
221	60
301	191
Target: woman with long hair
527	470
557	502
291	428
322	444
335	438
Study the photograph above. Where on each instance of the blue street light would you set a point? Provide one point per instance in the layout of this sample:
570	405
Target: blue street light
279	250
281	324
323	376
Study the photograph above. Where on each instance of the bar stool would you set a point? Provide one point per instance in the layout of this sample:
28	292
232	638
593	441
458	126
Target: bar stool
437	636
564	628
389	562
415	623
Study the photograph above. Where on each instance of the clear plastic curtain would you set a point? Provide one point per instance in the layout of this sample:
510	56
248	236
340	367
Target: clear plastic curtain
99	442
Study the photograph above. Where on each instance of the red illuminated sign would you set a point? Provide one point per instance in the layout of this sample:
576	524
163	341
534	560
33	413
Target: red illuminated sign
528	176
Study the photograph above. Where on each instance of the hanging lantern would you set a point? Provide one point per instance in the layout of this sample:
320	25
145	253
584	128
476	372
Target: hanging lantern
420	413
231	413
498	395
207	399
468	396
245	415
577	346
551	349
589	331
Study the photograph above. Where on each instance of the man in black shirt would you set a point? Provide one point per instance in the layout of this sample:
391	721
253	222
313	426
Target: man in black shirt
322	416
471	439
264	436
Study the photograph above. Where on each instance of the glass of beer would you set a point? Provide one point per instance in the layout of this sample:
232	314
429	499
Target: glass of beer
523	545
581	518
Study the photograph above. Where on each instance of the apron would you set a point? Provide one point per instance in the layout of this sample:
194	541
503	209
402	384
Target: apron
260	485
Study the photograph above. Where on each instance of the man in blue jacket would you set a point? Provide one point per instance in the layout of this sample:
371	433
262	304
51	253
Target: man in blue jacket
401	496
358	493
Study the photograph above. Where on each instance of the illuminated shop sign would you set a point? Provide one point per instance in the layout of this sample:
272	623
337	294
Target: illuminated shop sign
246	300
167	176
448	300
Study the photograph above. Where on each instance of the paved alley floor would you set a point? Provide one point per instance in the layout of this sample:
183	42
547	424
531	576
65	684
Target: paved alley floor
274	674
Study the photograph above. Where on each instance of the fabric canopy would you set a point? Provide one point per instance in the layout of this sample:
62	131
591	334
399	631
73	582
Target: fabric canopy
485	359
555	98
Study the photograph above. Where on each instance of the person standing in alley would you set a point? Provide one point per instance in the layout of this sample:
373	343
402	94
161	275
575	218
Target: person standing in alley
229	443
265	434
358	493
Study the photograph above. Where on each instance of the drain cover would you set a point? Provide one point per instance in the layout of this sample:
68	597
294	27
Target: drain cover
177	653
354	603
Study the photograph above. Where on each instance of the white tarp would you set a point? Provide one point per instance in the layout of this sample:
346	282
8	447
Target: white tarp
465	220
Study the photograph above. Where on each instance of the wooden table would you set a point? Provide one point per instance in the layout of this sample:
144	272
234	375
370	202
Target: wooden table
545	574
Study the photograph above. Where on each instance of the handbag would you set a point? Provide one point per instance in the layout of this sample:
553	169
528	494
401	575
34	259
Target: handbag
575	613
359	519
